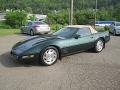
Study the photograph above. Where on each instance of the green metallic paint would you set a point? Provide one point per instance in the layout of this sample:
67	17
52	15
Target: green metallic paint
66	45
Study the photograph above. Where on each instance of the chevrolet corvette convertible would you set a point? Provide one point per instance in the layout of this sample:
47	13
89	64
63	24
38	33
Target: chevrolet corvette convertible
68	40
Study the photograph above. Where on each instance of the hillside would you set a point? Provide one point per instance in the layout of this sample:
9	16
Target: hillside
43	6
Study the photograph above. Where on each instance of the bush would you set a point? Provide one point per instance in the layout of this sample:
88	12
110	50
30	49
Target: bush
59	17
56	27
16	18
4	26
106	28
83	17
102	29
99	29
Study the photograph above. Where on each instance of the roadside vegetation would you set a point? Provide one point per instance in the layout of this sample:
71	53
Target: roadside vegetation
57	12
4	32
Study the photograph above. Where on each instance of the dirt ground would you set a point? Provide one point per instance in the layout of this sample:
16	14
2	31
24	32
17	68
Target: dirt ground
83	71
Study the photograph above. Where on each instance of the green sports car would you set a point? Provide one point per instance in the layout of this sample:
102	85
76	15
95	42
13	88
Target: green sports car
68	40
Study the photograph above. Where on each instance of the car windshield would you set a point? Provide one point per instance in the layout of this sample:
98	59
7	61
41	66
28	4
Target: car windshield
40	23
117	24
66	32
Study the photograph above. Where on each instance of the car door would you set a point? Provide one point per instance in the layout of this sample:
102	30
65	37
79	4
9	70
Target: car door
83	42
26	27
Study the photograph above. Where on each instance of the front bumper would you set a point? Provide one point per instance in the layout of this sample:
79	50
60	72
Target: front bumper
117	31
24	57
15	56
41	31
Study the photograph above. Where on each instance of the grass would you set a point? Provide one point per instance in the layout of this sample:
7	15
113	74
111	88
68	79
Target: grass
100	29
5	32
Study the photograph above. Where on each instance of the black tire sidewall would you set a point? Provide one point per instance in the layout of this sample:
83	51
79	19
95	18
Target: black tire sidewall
31	33
42	53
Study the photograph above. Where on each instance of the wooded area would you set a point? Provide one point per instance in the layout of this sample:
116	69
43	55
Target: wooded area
58	10
41	6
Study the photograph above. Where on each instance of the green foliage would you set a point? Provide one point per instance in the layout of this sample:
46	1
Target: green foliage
32	18
4	32
102	29
58	11
104	15
117	12
60	17
28	10
83	16
106	28
56	27
3	25
16	18
40	6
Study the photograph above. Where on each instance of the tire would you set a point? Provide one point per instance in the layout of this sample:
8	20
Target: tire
31	33
49	56
99	45
114	32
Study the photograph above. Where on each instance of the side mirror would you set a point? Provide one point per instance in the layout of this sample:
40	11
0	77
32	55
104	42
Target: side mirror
76	36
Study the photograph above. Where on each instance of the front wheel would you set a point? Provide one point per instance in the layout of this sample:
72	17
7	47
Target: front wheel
49	56
99	45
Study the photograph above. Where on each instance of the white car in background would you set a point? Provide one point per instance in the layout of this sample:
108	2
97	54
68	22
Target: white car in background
35	27
115	28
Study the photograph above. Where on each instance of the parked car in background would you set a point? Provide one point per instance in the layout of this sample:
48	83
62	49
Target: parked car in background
115	28
68	40
35	27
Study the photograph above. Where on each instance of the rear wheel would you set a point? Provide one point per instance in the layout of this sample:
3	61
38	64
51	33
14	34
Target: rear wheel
31	33
49	56
99	45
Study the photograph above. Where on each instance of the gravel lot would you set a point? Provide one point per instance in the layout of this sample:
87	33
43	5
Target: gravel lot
83	71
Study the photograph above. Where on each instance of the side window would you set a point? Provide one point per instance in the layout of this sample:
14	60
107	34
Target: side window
29	23
112	24
84	32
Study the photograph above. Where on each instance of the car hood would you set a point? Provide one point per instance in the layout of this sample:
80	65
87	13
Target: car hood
30	42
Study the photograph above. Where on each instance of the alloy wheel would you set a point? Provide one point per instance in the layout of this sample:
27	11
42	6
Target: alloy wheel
99	45
50	56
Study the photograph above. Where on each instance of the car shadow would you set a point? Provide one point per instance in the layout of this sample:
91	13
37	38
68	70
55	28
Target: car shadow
8	61
22	34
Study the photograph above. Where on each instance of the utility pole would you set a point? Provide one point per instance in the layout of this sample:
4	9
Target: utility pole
96	6
71	12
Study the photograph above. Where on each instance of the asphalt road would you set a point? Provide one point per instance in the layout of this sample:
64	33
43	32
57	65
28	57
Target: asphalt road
83	71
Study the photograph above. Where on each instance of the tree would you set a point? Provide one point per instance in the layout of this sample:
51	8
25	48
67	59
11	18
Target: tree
16	18
117	13
28	10
58	17
83	16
